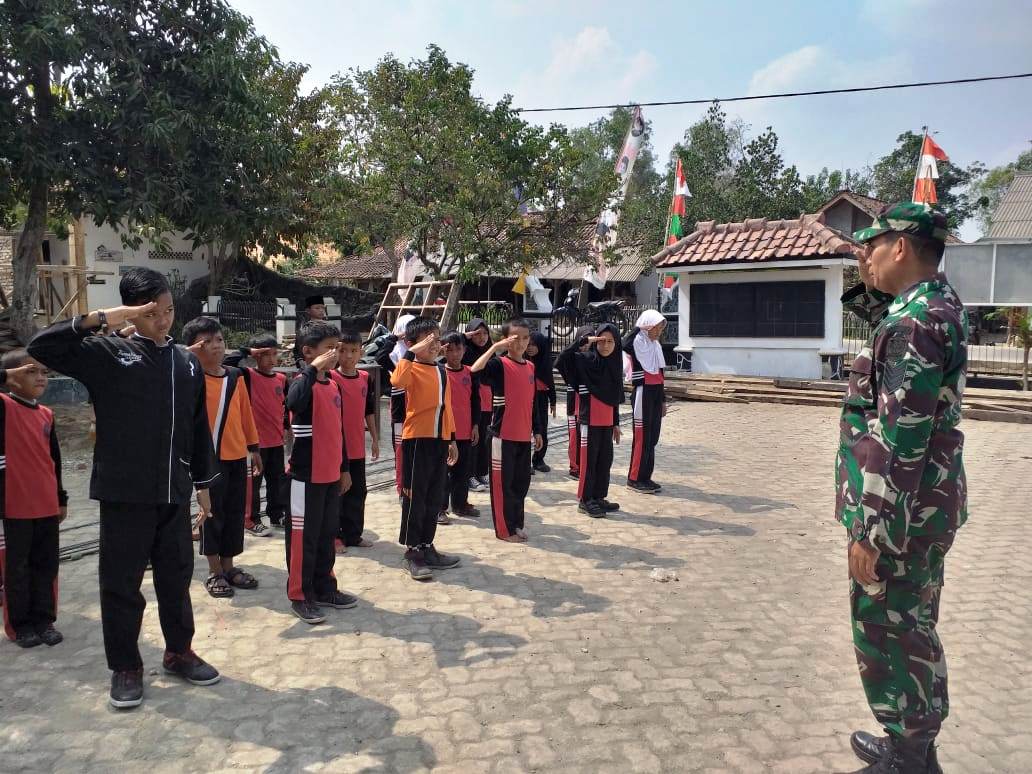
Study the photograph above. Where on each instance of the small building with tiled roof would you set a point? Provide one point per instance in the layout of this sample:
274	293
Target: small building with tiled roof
761	297
372	272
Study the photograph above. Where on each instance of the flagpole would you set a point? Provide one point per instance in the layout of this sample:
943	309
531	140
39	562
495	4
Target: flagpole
920	153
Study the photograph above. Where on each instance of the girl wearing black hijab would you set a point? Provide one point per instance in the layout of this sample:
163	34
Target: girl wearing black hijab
478	341
540	354
599	373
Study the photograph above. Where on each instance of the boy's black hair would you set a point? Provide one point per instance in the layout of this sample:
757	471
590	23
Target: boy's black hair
515	322
453	337
199	326
419	326
262	341
315	332
14	358
140	286
350	337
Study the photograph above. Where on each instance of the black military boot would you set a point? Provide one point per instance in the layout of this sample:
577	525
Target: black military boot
902	756
870	749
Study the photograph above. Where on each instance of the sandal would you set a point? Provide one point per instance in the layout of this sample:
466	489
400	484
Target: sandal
218	586
241	579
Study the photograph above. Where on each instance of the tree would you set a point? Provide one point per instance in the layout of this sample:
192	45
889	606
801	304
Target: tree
988	189
894	179
122	111
475	188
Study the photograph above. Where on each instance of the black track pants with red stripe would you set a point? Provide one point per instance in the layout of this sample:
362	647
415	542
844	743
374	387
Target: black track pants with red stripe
28	565
647	411
573	431
510	482
595	464
424	474
482	451
313	527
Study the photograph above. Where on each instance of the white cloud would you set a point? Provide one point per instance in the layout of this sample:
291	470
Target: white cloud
812	68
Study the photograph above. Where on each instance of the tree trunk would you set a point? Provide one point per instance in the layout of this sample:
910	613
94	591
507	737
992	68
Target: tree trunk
217	269
30	243
451	309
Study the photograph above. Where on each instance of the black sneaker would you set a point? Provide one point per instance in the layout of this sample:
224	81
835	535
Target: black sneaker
593	509
51	636
574	475
466	511
652	485
609	507
640	486
482	480
190	667
126	689
416	565
307	612
27	640
541	467
338	600
438	561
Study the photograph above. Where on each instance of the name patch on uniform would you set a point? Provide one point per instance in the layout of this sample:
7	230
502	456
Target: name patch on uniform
895	359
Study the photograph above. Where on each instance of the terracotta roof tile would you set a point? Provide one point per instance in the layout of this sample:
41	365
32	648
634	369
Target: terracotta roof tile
756	240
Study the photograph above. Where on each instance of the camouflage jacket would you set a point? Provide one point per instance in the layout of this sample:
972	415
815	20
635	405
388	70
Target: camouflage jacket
900	469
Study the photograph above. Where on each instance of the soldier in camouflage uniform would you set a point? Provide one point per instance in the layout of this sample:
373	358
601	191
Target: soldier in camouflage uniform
900	486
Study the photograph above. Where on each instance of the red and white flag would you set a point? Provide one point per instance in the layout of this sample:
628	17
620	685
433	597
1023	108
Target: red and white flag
928	172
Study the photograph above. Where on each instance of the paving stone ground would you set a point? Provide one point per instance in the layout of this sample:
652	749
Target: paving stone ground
563	654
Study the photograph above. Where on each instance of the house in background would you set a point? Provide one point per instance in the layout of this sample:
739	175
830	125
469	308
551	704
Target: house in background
761	297
372	272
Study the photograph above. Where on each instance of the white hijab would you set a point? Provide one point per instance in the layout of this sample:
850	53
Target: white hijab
649	352
399	330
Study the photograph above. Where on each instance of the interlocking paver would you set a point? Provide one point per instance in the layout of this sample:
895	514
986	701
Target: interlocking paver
562	654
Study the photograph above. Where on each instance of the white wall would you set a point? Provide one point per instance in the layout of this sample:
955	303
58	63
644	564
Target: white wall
645	288
106	295
784	357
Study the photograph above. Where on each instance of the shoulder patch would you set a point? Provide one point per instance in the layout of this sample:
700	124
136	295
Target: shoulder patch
894	366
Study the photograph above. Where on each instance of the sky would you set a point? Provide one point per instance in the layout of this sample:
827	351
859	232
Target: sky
549	53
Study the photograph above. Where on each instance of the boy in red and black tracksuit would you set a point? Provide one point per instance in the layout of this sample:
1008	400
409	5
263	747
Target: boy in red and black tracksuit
600	385
318	475
478	341
567	369
32	504
540	354
267	389
464	389
153	449
359	417
515	429
427	447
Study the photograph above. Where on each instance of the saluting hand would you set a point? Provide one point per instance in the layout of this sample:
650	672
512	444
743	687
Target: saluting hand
504	344
327	361
198	346
423	344
119	314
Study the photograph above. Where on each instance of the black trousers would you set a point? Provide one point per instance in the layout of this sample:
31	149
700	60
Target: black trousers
541	412
352	505
131	535
424	472
596	463
510	482
647	410
277	488
310	552
482	451
28	566
223	533
456	492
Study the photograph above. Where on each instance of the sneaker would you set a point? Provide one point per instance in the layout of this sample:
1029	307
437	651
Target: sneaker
594	509
467	511
258	529
609	507
190	667
541	467
126	689
652	485
50	636
482	480
574	475
640	486
442	517
475	486
438	561
307	612
416	565
27	640
338	600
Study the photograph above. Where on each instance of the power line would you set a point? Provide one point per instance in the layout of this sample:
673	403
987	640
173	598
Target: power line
782	95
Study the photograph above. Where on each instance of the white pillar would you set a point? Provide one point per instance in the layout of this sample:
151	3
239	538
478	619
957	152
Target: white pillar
211	306
286	320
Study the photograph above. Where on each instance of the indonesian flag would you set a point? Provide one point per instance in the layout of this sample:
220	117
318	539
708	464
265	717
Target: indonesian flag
928	172
676	229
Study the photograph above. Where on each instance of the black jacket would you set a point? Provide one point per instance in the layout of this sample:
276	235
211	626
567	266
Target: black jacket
153	440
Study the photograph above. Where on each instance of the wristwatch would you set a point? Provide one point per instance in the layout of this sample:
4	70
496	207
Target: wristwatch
103	322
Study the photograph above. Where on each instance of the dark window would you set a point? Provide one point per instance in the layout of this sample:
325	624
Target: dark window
758	309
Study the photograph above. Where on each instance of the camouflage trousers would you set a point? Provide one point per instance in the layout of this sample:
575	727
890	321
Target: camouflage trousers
901	660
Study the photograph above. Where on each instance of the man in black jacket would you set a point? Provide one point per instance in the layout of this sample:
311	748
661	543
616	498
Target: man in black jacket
153	448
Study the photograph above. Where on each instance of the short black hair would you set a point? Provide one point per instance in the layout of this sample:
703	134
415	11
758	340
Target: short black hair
316	332
14	358
140	286
928	250
262	341
515	322
199	326
350	337
454	338
418	326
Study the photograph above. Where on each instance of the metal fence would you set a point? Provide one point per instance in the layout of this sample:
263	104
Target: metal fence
563	329
253	314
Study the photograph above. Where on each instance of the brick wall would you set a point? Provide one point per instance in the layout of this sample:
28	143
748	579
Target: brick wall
6	268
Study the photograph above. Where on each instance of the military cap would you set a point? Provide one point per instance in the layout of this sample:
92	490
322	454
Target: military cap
906	218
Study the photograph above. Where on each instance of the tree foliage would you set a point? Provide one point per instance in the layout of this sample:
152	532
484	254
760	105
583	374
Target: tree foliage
988	189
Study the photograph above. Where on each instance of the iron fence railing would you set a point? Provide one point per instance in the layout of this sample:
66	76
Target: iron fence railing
253	314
